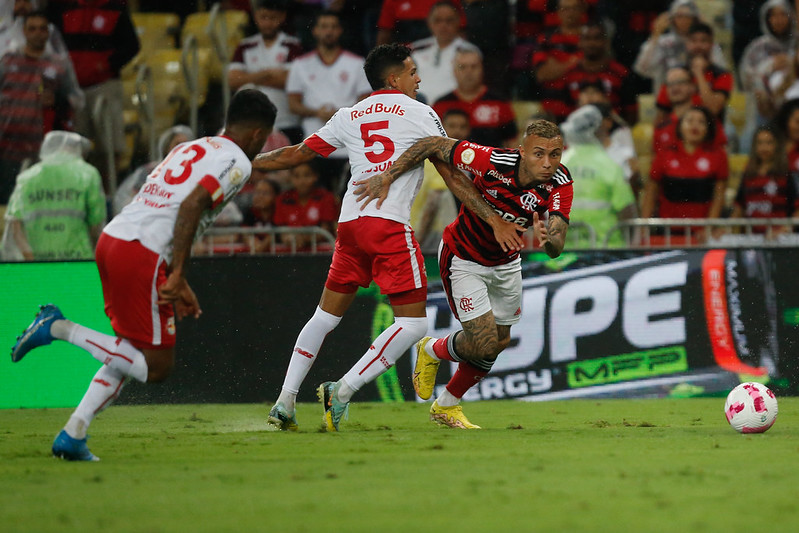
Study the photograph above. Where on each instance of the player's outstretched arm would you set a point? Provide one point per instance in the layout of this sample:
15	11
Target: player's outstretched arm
506	233
551	235
283	158
176	289
376	187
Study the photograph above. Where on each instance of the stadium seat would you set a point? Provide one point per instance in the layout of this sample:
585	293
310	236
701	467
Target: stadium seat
524	109
156	30
646	108
642	138
737	163
736	110
196	24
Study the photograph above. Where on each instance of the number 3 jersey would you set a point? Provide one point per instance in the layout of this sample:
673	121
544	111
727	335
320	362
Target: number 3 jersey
376	131
496	176
215	163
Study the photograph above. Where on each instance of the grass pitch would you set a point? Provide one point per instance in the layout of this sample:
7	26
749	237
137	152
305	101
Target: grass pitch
610	465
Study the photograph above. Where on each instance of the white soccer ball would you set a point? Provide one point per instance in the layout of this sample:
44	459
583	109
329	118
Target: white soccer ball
751	408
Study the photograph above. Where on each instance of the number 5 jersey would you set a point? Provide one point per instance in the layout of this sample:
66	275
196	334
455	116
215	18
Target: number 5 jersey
376	131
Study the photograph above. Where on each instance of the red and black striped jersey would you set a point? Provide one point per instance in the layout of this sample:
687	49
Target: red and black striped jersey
769	195
495	173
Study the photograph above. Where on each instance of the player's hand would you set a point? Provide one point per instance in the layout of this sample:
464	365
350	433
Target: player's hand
540	230
507	235
176	291
375	187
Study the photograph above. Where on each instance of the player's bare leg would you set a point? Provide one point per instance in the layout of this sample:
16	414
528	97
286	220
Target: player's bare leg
332	306
475	348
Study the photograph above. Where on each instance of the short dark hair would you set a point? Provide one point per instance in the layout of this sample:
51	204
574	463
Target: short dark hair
443	3
453	112
381	60
251	107
272	5
326	13
709	118
36	13
700	27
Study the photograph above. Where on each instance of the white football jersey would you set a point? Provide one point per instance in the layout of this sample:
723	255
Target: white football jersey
375	132
336	85
252	55
215	163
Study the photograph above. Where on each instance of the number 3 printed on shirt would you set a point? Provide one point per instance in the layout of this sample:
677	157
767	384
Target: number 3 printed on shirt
199	152
370	139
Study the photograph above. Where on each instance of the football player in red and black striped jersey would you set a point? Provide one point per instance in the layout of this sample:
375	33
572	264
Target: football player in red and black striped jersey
482	278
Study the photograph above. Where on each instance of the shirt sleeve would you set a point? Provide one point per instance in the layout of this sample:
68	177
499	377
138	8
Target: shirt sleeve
472	157
294	80
326	140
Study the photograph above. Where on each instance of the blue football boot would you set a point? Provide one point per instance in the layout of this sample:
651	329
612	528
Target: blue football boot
65	447
38	333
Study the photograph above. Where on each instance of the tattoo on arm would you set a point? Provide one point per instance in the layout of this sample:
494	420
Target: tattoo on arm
440	147
556	229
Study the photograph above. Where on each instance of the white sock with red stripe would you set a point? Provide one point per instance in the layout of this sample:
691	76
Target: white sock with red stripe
386	349
115	352
309	341
103	390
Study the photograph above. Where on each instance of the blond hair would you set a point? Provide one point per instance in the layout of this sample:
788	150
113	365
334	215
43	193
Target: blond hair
543	128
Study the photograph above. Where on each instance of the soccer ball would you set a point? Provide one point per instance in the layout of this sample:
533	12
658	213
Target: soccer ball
751	408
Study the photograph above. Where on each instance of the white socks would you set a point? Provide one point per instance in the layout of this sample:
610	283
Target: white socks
103	390
309	341
114	352
385	350
446	399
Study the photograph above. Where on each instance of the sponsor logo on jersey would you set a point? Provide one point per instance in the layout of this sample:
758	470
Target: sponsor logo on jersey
377	107
494	174
170	325
492	192
236	176
467	156
556	201
703	164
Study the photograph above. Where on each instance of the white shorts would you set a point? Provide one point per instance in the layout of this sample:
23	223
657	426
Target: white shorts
473	289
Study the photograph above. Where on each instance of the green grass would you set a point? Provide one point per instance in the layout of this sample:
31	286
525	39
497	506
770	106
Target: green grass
611	465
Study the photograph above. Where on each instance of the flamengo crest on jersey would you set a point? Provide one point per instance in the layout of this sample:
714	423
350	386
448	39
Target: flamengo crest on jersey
496	177
215	163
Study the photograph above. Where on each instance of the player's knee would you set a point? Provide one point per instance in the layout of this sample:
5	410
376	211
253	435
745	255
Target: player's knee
414	326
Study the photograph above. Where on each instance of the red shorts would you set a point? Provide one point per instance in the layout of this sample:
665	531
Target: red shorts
375	248
130	274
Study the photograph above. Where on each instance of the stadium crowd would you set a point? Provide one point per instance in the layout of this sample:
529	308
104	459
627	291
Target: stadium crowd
696	107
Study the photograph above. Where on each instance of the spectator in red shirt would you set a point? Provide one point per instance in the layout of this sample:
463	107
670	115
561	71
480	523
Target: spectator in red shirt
682	95
688	180
404	21
491	117
557	52
306	204
262	213
714	84
767	189
597	64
